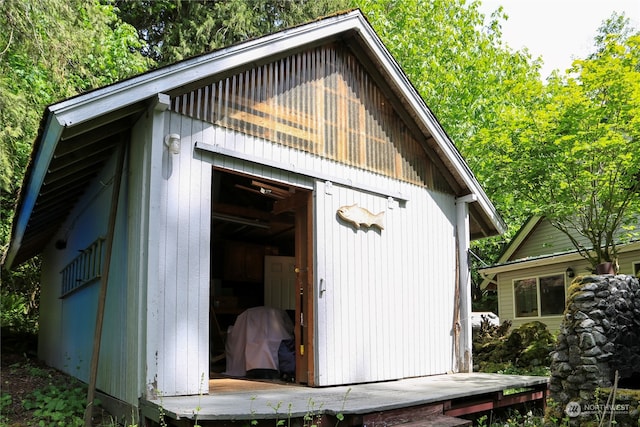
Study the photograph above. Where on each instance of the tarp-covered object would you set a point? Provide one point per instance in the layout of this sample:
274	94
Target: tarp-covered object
253	341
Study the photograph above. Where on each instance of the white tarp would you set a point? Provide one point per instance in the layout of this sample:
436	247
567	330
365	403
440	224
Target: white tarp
253	341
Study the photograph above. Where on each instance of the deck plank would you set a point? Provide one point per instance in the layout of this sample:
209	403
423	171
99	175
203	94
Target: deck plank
439	421
231	400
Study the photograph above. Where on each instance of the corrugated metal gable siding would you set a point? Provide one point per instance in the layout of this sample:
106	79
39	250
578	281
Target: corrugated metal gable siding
322	102
385	307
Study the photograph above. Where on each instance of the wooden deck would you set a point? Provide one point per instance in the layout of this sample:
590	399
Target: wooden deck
238	402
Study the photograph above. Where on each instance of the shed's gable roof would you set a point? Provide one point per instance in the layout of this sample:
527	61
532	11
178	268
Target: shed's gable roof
79	134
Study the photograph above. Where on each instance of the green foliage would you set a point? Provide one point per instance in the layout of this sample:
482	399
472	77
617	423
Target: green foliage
469	78
174	30
13	312
523	351
555	414
5	402
487	301
58	405
19	298
626	403
562	150
515	419
32	370
51	50
314	414
457	61
54	49
574	151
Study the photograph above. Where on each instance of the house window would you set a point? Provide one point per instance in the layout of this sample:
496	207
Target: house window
552	295
539	296
84	269
526	294
636	269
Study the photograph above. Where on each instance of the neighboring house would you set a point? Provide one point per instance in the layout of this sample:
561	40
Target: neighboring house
235	161
534	272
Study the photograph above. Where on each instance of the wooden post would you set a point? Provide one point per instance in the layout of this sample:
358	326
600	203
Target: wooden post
465	363
97	337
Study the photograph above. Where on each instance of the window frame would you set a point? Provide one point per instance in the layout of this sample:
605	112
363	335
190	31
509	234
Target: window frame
538	299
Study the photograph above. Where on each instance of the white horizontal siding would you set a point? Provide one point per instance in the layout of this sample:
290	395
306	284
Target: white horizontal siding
545	239
506	305
506	308
627	260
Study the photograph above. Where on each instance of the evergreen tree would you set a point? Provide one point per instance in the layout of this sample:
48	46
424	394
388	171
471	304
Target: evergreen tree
49	50
173	30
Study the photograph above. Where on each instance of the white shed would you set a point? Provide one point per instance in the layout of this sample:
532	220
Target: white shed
236	164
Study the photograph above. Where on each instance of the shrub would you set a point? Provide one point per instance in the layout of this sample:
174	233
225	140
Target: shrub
525	350
16	313
57	406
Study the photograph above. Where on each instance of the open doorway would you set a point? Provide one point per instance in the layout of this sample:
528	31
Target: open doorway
260	257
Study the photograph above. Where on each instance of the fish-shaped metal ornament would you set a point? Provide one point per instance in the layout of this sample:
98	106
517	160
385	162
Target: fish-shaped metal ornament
358	216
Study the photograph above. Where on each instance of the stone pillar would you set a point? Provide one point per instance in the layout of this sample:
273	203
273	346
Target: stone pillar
600	333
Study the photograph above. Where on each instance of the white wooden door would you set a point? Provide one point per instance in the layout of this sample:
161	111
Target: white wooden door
279	282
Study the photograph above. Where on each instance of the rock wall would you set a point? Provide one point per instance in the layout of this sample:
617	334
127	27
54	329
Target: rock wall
600	333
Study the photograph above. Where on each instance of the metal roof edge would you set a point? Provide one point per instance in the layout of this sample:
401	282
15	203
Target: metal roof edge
135	89
547	259
51	132
529	262
429	120
520	237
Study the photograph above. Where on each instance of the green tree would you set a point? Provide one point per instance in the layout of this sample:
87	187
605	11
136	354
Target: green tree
458	62
50	50
575	155
173	30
